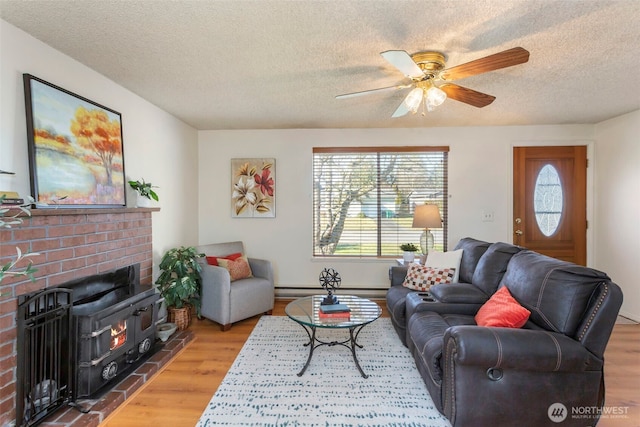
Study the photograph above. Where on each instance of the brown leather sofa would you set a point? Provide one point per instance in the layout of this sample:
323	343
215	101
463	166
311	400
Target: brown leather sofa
548	370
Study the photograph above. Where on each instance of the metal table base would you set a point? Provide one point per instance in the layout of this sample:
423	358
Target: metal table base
350	343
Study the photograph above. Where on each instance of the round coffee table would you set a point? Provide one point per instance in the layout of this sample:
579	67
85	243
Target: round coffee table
304	311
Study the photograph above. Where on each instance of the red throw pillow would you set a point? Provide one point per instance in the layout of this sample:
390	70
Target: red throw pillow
213	260
502	310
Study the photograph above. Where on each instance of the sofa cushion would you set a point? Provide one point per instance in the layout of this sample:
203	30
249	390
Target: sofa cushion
492	265
450	259
421	278
556	292
502	310
472	250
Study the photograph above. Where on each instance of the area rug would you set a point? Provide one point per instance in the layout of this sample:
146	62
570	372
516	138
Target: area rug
262	388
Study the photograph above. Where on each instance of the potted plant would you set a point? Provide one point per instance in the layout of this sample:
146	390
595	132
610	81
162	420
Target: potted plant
145	192
409	250
179	284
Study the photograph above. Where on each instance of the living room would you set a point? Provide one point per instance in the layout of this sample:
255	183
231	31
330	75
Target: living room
191	167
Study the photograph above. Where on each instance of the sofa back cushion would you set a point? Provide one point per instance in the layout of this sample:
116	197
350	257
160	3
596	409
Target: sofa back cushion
492	266
472	250
556	292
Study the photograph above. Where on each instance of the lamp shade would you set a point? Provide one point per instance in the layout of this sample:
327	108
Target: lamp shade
427	216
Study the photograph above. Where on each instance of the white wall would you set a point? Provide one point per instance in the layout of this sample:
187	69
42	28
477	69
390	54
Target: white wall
617	201
480	173
157	146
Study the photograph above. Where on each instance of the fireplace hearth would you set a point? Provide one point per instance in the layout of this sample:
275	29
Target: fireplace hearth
81	338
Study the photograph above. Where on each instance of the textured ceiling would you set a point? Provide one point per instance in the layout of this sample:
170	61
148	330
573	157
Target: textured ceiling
279	64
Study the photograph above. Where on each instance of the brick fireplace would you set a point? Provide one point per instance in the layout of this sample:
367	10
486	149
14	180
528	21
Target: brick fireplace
73	243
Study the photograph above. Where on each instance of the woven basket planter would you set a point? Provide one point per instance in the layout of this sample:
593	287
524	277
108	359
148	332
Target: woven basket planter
180	316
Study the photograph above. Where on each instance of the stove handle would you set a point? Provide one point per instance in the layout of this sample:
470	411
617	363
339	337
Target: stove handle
95	362
96	333
139	311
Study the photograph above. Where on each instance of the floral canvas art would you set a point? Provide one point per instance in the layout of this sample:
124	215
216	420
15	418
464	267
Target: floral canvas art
253	188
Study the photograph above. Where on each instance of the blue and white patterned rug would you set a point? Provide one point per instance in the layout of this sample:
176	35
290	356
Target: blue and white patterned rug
262	388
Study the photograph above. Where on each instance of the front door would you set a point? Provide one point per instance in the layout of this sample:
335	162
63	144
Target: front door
549	201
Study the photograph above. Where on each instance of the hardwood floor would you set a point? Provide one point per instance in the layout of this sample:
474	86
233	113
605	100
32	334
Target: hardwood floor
177	396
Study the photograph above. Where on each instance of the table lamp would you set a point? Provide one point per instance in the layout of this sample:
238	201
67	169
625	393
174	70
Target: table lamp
426	216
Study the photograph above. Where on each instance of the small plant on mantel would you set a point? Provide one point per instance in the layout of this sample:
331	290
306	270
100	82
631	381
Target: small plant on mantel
145	189
10	217
180	284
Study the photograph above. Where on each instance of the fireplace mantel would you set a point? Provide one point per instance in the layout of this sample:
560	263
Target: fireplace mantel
86	211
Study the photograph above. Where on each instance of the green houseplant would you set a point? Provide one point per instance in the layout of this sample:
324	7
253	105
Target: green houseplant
409	250
145	192
179	284
408	247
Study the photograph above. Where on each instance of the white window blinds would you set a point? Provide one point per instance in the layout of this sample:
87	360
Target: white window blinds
364	198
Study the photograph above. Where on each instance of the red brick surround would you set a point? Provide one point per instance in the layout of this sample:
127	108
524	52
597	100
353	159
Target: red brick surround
72	243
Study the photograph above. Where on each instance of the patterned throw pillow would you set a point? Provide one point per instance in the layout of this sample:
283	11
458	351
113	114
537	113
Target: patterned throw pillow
238	268
236	263
421	278
502	310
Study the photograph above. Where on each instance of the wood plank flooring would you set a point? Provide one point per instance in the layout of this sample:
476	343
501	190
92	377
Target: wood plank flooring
177	396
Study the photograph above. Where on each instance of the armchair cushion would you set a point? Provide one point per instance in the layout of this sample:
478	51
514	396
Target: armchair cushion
238	268
502	310
213	260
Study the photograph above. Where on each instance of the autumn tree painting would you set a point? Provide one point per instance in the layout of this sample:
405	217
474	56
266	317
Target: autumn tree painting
75	145
96	132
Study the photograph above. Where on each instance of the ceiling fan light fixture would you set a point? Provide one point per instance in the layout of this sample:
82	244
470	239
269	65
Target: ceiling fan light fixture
435	96
414	99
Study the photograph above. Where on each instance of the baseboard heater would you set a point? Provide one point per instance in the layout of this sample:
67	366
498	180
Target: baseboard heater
294	292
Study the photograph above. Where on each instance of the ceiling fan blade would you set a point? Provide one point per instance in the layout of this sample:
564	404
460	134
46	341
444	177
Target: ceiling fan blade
403	62
403	108
504	59
468	96
367	92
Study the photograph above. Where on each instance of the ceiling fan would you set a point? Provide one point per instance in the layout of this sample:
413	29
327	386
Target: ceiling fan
430	79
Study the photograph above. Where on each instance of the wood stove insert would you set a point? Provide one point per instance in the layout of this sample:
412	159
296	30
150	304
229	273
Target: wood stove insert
101	331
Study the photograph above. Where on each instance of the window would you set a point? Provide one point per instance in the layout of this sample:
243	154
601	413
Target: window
364	198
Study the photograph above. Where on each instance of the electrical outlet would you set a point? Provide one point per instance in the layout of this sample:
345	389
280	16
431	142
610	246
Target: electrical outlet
487	216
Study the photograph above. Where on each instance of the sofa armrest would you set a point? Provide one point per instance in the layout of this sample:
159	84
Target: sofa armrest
397	273
261	268
520	349
458	293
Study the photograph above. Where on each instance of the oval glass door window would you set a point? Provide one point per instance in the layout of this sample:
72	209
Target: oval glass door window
547	200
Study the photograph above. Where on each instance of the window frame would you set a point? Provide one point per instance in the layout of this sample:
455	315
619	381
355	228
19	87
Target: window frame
379	151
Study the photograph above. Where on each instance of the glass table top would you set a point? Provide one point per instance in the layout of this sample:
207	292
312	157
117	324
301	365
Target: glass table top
305	311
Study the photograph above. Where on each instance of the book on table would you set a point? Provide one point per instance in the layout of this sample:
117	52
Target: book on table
334	308
338	315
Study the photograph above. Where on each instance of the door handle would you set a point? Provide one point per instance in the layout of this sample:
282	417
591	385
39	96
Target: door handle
519	232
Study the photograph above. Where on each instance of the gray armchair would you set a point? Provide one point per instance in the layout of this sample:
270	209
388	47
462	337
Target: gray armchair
226	302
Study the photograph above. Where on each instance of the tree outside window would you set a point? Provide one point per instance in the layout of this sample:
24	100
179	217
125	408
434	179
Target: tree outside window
364	198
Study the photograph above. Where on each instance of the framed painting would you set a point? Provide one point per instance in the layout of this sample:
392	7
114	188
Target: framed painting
76	156
253	188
